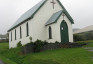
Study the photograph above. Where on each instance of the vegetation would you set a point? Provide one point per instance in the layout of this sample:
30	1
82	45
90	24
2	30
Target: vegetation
57	42
19	44
30	39
58	56
3	47
37	45
89	43
83	36
7	61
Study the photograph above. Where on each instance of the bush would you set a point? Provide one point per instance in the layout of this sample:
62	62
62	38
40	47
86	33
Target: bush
38	45
57	42
19	44
83	36
77	37
44	42
30	39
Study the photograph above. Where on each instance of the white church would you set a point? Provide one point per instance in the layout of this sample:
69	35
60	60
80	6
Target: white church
48	20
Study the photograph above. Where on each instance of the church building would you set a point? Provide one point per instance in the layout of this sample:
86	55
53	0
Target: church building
47	21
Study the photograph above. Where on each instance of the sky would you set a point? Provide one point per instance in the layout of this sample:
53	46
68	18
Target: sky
10	10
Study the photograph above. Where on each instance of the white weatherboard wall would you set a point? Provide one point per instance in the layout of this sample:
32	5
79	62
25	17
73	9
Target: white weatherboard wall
37	28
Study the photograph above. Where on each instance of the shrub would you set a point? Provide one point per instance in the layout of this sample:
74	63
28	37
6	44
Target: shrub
57	42
30	39
77	37
38	45
83	36
19	44
45	42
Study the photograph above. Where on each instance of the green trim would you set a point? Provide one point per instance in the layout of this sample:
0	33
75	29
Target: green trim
65	11
55	20
28	18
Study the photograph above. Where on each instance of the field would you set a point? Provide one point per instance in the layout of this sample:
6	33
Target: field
58	56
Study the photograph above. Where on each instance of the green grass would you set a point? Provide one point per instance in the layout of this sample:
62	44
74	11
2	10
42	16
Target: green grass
89	42
3	47
6	60
58	56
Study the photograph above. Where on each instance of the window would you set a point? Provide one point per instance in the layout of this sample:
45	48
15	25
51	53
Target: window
20	32
15	34
50	33
11	36
27	29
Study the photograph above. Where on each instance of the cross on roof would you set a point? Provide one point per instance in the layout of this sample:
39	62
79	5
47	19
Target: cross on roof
53	3
63	16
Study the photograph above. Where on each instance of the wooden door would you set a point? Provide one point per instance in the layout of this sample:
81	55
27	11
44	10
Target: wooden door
64	32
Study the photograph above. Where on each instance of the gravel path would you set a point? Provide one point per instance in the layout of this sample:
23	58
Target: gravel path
1	62
89	49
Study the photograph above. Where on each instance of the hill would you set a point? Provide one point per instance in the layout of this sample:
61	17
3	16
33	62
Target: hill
85	29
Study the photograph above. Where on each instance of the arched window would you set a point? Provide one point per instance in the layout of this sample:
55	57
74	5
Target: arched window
20	32
15	34
11	36
50	32
27	29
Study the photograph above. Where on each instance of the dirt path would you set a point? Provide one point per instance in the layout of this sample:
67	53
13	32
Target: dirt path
1	62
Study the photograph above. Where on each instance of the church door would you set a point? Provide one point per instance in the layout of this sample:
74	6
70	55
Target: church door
64	32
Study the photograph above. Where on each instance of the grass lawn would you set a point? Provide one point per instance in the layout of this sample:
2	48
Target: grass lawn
90	43
58	56
3	47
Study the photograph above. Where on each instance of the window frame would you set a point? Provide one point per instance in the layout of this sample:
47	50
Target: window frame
11	36
15	34
20	32
27	29
50	32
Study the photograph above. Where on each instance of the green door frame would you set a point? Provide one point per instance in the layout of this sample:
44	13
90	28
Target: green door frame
64	32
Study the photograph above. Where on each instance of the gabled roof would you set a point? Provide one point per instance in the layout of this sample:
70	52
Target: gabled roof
65	11
54	17
30	13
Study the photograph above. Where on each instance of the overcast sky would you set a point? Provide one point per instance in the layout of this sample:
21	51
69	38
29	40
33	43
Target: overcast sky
11	10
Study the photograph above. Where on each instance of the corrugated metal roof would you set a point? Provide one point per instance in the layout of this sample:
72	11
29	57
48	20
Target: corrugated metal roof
28	14
54	17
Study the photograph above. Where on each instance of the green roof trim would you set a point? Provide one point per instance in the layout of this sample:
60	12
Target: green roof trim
28	15
65	11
